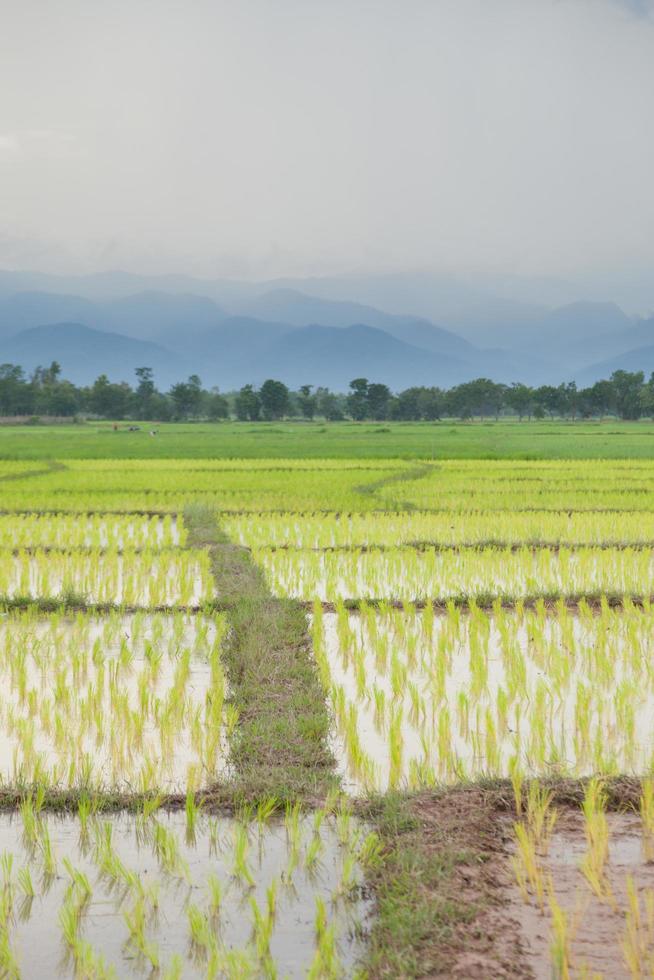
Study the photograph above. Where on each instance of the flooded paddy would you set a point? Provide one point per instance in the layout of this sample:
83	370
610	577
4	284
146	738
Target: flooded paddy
125	896
121	702
419	698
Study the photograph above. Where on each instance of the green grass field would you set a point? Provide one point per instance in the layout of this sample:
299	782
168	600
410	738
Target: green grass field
449	440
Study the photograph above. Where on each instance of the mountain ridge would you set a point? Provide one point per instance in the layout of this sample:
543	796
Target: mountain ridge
247	335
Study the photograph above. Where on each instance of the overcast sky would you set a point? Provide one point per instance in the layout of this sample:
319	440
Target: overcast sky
265	137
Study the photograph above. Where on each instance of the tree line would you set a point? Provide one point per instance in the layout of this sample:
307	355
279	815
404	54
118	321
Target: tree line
626	394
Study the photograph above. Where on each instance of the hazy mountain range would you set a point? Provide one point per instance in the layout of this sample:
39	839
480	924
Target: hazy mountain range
402	329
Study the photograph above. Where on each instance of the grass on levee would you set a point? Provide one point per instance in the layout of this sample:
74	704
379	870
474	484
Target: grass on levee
439	881
280	746
447	439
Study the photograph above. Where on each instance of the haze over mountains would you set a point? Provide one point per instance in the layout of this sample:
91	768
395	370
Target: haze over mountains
401	329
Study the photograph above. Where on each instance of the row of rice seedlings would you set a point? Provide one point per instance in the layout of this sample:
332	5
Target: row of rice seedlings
93	531
514	486
132	702
161	502
420	698
536	528
143	489
251	864
320	483
408	574
147	578
266	464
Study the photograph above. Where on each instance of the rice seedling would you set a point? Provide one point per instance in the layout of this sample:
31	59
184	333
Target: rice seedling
192	810
527	866
25	882
540	816
8	963
166	848
370	852
262	928
313	850
46	849
216	894
597	839
326	962
135	920
80	887
240	868
201	933
265	810
69	922
561	937
174	970
638	936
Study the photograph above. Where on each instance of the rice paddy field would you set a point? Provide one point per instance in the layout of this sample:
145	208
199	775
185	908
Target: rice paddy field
326	717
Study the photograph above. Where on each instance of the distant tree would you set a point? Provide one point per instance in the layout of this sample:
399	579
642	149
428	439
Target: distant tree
247	404
330	405
306	402
520	398
600	398
144	394
431	404
274	396
16	397
482	396
51	395
217	406
379	398
187	397
647	397
161	407
357	400
460	401
108	399
406	406
46	376
627	386
62	398
550	399
569	399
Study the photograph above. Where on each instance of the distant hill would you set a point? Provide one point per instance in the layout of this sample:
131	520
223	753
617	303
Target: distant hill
239	351
24	310
147	315
639	359
470	309
85	353
333	356
403	329
575	327
296	308
160	315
